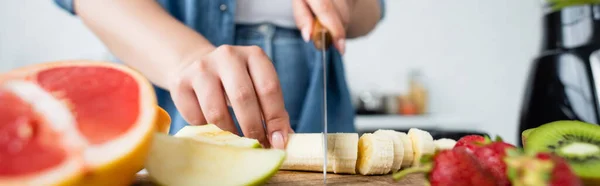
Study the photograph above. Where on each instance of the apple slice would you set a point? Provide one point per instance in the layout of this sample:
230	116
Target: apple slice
184	161
210	133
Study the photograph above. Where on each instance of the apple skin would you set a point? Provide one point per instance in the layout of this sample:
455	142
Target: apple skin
185	161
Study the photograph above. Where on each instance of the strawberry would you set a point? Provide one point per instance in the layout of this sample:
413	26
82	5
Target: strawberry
540	169
452	167
491	158
470	142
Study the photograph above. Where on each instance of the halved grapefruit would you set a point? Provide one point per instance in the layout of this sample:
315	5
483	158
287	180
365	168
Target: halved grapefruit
76	123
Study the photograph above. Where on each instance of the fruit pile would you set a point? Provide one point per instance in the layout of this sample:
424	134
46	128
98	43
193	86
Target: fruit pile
378	153
561	153
98	123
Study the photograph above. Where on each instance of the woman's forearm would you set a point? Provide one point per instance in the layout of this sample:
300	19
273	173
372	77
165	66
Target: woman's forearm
364	17
143	35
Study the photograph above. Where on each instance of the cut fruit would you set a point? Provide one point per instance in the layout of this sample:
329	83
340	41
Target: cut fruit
422	144
398	147
575	141
210	133
375	154
75	123
184	161
409	153
444	143
305	152
525	134
163	121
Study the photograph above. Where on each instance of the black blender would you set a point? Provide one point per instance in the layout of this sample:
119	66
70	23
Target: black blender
564	79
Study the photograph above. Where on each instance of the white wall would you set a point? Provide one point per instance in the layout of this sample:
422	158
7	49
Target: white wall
32	31
475	54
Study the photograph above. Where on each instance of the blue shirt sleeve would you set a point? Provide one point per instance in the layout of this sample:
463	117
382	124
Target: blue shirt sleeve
67	5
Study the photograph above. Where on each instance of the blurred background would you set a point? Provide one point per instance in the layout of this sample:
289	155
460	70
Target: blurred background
444	65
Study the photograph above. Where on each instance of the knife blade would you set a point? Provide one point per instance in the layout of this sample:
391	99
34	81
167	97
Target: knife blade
322	40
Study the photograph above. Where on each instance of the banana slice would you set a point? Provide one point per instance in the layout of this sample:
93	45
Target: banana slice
422	143
305	152
398	147
444	143
375	154
409	153
343	153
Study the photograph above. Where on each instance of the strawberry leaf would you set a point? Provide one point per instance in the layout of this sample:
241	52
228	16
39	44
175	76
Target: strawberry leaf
427	158
512	173
425	168
498	139
486	140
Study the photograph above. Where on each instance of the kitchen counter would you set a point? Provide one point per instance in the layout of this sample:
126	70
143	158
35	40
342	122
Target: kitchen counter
292	178
374	122
437	126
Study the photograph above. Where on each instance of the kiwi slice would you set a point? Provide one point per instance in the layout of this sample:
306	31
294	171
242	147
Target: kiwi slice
524	135
575	141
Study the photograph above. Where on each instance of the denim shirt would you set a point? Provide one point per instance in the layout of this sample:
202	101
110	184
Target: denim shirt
298	64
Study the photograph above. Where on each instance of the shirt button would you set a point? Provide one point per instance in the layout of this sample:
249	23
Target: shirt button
223	7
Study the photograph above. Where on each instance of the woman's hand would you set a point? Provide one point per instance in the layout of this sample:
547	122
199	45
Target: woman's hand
333	14
241	75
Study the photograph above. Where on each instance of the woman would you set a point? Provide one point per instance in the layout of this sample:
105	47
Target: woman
209	58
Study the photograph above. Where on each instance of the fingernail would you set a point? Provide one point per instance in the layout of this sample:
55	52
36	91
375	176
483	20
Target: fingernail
342	44
277	140
305	34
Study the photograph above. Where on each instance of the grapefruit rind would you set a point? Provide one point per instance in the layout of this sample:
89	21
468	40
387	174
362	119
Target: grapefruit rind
184	161
163	120
211	133
111	163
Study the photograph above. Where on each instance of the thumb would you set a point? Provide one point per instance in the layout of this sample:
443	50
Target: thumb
303	17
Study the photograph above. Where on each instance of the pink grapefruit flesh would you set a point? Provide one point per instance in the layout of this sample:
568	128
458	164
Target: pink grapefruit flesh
26	146
105	101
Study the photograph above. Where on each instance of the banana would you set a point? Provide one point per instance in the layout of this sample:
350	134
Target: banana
422	143
305	152
375	154
444	143
398	147
210	133
409	153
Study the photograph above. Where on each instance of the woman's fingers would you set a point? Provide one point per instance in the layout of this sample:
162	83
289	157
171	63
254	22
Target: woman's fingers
304	18
327	13
270	96
186	102
233	71
209	93
243	77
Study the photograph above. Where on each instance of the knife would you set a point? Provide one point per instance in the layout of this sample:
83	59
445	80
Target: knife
322	40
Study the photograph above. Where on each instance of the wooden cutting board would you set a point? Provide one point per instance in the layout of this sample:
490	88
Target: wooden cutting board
295	178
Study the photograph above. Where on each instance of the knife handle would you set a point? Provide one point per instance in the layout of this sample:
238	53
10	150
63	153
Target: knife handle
318	30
